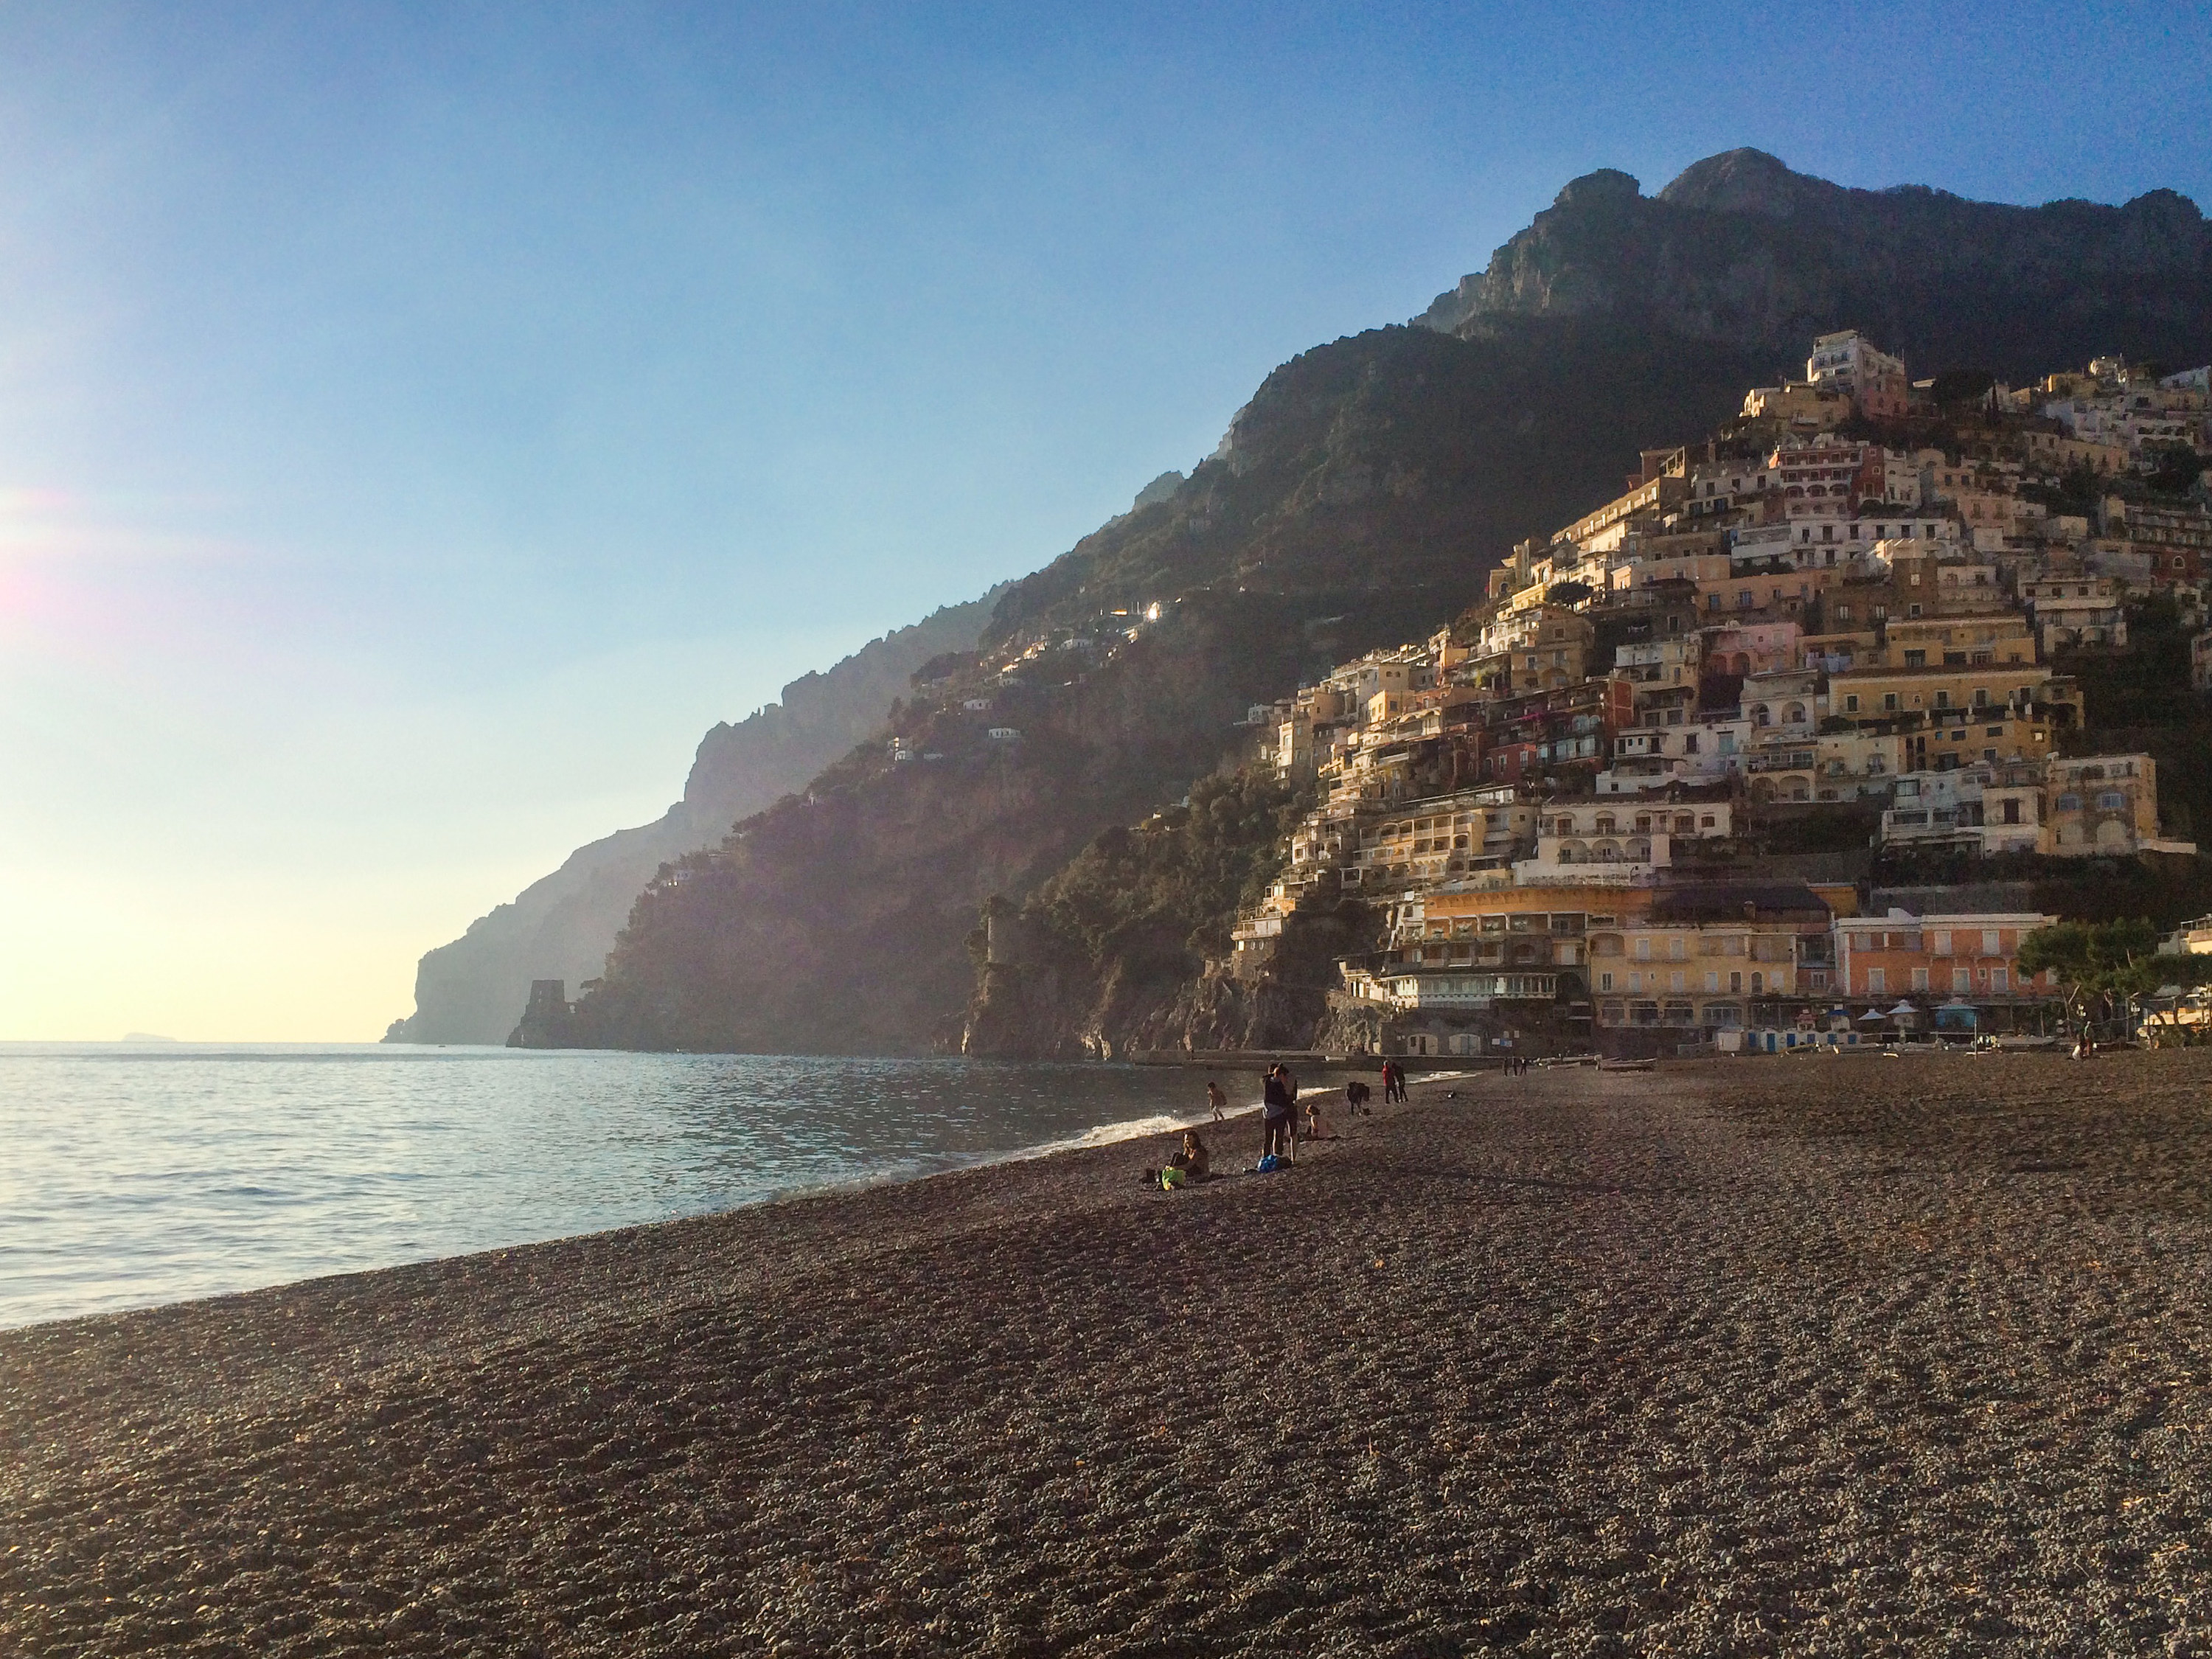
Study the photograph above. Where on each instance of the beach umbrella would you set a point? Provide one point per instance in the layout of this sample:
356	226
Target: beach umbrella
1875	1014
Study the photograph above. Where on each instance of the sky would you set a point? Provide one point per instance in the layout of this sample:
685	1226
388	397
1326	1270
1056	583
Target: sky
418	424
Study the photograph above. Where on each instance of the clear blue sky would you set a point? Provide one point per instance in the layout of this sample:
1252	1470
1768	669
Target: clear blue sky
418	424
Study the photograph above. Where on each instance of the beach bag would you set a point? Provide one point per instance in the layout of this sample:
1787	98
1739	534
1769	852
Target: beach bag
1171	1178
1269	1164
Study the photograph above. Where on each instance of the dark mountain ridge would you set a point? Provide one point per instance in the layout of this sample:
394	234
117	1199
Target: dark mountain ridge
1741	250
1358	499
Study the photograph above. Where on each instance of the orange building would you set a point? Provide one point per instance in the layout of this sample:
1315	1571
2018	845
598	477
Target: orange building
1974	957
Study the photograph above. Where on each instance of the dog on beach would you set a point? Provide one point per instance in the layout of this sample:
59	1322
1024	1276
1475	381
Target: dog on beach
1356	1097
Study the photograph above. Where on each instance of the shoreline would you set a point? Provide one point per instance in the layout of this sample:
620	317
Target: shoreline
78	1270
1696	1358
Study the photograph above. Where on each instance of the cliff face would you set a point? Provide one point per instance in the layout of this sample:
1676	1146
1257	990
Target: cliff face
1358	499
562	925
840	921
1741	250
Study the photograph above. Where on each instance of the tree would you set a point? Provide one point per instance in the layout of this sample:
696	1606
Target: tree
2177	468
2107	965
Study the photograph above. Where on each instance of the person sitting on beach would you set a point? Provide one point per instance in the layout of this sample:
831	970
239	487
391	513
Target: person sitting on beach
1316	1126
1192	1159
1217	1099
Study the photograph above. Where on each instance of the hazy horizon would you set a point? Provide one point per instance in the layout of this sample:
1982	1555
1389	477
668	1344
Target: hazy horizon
415	430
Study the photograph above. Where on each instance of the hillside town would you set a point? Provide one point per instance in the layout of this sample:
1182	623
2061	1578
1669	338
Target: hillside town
1840	626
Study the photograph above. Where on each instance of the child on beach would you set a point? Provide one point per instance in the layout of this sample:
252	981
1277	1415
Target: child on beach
1217	1099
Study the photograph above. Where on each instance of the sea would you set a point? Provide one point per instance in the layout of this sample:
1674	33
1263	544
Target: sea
133	1174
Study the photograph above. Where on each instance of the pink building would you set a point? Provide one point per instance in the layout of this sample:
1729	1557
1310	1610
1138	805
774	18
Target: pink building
1751	648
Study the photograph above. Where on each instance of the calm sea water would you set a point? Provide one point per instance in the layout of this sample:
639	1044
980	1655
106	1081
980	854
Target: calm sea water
131	1175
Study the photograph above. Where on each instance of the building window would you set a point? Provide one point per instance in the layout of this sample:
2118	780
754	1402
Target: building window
1877	982
2000	981
1919	979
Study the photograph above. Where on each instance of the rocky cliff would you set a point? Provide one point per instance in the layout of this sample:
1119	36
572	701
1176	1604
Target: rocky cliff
561	927
1741	250
1358	500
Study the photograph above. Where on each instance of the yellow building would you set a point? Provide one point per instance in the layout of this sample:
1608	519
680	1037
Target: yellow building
2100	804
1717	956
1877	693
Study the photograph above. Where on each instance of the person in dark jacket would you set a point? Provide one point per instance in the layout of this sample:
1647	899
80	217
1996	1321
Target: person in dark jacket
1275	1113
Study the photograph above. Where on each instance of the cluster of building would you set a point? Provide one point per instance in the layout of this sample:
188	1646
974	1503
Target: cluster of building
1550	797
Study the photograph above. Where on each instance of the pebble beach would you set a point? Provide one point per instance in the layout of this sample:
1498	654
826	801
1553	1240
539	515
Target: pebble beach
1821	1355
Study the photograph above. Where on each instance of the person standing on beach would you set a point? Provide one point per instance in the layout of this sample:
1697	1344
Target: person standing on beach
1290	1097
1217	1099
1274	1113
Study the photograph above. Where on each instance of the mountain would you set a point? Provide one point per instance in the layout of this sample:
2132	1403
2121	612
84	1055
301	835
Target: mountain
1741	250
1358	500
561	926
